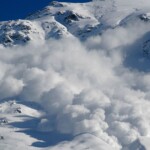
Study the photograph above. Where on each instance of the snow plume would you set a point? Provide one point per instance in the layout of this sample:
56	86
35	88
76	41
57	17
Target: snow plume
88	87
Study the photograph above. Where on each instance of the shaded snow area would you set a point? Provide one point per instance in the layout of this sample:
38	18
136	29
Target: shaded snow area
76	76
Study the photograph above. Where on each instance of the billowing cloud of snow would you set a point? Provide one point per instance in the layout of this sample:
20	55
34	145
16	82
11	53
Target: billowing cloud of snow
89	87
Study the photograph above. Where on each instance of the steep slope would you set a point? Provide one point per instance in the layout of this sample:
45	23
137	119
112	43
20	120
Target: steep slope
84	20
19	32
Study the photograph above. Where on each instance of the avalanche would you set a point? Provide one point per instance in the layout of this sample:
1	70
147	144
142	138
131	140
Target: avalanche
76	76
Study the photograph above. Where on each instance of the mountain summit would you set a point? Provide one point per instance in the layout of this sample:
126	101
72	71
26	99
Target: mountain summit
81	20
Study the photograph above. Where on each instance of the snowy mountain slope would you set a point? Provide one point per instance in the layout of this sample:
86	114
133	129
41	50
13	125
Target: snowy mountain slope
85	141
86	67
11	115
62	19
81	20
19	32
17	120
142	144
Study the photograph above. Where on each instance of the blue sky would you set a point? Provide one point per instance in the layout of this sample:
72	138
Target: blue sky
15	9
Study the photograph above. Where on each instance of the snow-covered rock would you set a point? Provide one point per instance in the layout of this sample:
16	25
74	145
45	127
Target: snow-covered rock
19	32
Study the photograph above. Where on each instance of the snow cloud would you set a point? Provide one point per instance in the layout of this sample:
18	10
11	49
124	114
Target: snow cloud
88	87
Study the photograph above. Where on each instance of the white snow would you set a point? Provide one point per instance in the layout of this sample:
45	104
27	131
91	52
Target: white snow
76	76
